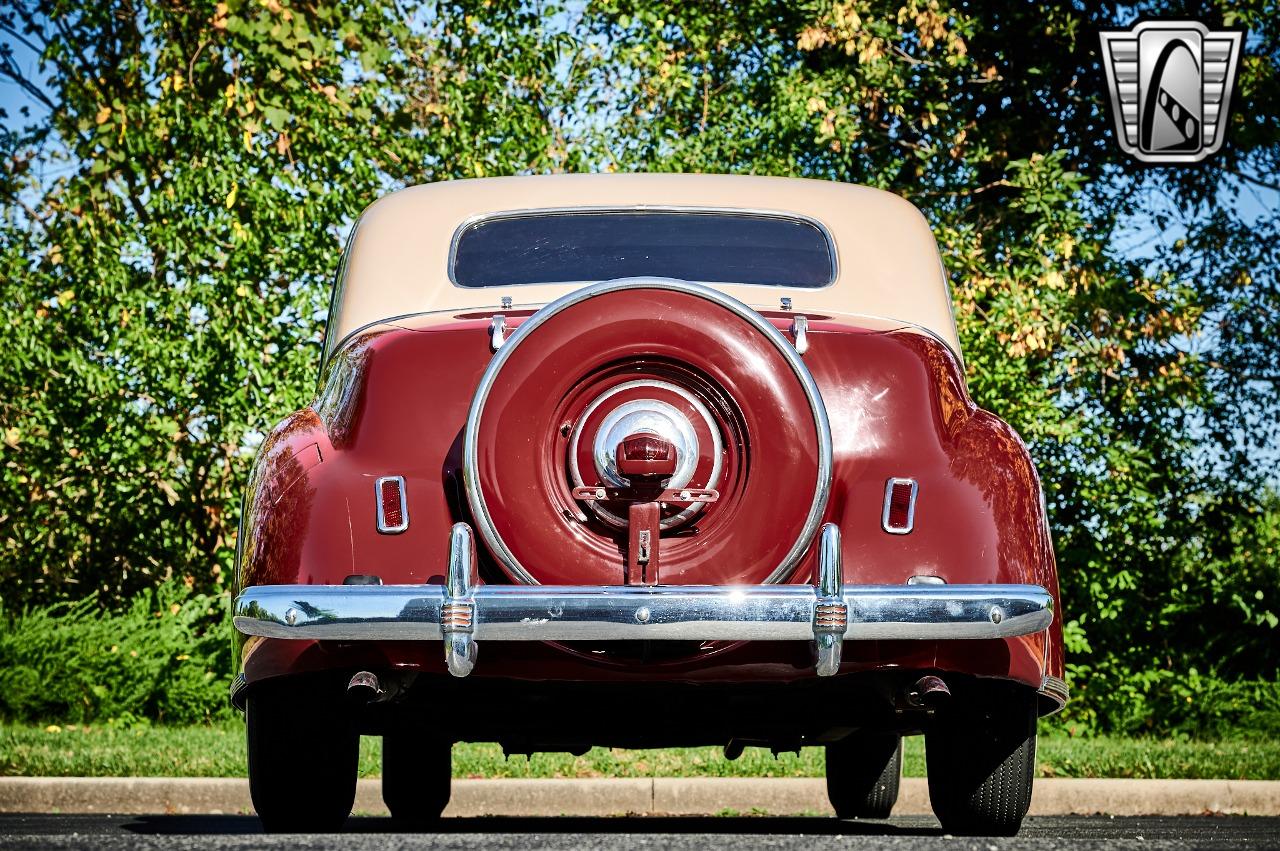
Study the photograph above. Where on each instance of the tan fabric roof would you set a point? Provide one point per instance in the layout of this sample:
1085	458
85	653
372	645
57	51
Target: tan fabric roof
888	261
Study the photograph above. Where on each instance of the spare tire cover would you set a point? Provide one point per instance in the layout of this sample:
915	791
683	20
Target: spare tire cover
677	356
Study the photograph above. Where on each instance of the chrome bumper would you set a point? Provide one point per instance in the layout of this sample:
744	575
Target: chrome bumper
462	612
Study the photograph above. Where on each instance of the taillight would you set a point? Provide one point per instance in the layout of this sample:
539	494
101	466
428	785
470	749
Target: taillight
393	511
899	506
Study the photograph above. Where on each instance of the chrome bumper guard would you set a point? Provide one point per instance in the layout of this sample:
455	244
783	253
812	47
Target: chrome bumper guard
461	611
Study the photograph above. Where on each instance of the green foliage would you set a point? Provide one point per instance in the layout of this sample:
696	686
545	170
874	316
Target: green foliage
1145	385
174	213
166	245
217	750
166	657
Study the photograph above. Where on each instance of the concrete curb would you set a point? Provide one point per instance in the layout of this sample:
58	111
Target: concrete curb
658	796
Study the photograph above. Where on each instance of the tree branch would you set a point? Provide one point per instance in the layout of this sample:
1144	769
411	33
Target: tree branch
1248	178
9	68
39	51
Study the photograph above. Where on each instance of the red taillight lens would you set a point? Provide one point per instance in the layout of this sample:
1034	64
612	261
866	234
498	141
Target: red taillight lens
393	513
646	455
899	506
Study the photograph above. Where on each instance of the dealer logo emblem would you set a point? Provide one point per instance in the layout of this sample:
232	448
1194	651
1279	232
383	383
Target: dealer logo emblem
1170	84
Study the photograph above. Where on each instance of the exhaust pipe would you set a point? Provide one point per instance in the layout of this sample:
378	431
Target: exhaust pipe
365	687
929	692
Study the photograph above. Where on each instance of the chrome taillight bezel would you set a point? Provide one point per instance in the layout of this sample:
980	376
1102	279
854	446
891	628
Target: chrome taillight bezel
383	526
888	505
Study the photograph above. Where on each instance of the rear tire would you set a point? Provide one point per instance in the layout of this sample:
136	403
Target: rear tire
863	774
416	776
303	759
981	763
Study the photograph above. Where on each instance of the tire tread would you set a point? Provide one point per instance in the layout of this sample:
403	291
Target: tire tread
981	769
303	761
864	773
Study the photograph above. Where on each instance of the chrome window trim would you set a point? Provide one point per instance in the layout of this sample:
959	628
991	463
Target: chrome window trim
404	505
911	506
470	457
748	212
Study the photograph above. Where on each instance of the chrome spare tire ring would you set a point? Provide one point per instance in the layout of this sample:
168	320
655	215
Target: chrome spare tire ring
470	452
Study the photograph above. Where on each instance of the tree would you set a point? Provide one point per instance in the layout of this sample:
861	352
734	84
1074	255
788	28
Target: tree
172	222
1145	382
174	216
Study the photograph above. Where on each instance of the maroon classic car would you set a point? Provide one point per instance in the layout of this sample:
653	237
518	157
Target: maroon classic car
644	461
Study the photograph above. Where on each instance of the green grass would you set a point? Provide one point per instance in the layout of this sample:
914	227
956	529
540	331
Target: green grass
218	751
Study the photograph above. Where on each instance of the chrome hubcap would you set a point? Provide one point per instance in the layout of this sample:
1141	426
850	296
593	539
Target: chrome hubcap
656	417
645	416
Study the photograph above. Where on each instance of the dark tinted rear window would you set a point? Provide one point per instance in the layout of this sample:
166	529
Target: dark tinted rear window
546	248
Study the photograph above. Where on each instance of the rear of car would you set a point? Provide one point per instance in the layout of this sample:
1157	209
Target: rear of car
644	461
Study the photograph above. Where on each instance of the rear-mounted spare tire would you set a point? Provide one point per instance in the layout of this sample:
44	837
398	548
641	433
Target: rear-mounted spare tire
682	360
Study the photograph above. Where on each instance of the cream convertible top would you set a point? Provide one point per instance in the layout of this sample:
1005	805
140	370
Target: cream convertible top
887	260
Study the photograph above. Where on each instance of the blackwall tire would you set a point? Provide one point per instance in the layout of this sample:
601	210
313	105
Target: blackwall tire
416	777
863	774
981	765
303	760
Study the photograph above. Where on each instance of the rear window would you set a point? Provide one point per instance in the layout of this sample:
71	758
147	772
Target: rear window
581	246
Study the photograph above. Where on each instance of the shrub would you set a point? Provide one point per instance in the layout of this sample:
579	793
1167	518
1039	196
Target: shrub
1115	699
166	657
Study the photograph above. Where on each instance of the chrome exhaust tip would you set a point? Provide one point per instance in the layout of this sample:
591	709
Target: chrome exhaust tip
928	692
364	687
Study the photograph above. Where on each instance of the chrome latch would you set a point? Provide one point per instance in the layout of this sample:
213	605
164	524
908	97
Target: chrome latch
800	333
497	331
642	546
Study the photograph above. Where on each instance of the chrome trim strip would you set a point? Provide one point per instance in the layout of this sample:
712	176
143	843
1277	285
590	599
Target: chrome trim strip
903	325
1057	690
672	612
472	221
336	296
404	506
470	458
911	506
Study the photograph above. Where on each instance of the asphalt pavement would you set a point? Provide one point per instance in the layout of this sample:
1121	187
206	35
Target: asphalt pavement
1070	833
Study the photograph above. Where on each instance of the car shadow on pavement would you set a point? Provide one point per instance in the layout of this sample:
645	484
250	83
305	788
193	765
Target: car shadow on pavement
826	826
